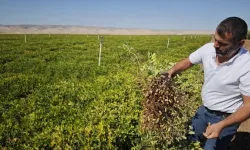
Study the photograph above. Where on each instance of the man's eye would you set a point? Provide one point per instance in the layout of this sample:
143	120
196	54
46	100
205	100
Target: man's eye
222	44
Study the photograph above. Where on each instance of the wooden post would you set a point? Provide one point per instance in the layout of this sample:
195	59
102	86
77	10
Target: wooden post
25	40
168	42
100	52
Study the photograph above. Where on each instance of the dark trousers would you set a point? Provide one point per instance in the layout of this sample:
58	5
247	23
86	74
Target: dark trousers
200	122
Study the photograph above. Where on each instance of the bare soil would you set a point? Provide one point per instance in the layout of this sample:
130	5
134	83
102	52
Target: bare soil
247	44
242	137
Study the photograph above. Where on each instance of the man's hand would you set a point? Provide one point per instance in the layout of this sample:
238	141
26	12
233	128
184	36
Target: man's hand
166	75
169	74
179	67
214	130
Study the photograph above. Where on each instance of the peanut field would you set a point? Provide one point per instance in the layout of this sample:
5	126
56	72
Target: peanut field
54	95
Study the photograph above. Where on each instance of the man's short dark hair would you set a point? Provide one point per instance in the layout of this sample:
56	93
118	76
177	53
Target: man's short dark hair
235	26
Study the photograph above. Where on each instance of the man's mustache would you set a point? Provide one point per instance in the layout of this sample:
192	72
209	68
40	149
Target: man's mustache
220	52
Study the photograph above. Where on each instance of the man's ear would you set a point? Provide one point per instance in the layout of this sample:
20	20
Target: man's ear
242	42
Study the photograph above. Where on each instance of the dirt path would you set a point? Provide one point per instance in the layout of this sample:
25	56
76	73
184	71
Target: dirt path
242	137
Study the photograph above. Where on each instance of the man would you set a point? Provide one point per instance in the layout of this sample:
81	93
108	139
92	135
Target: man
226	88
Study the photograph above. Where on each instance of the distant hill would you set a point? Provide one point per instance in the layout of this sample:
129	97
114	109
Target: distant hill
65	29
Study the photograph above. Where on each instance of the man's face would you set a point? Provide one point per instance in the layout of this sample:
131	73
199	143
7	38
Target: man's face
225	47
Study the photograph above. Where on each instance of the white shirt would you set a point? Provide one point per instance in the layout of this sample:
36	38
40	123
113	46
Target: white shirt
225	84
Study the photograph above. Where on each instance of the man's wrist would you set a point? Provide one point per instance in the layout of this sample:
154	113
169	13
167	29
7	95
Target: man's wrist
223	123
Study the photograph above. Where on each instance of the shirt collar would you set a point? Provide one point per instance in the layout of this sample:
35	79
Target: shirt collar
236	56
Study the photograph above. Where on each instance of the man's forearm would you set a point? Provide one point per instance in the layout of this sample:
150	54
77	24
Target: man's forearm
180	66
239	116
214	130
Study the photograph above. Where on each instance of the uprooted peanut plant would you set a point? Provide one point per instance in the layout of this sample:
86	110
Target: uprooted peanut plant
166	113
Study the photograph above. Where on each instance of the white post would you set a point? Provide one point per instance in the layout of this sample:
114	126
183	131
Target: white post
168	42
100	52
25	40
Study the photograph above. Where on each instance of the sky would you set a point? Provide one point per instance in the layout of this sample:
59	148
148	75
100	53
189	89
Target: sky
146	14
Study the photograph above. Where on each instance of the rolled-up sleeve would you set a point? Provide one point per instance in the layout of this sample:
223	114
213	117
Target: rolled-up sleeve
245	84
